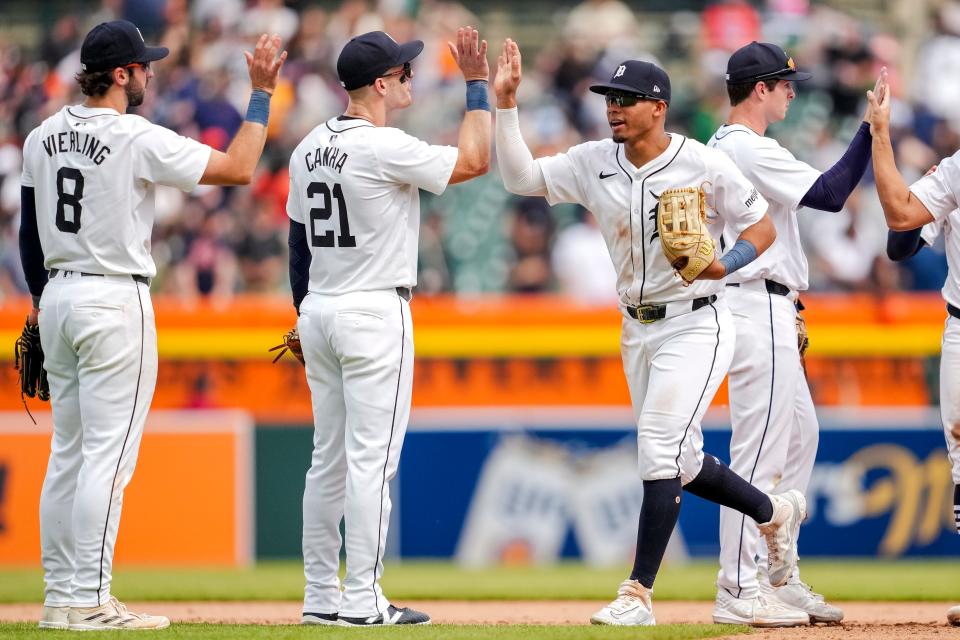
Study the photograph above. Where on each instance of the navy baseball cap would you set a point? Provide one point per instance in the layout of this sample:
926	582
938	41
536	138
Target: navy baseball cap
645	79
115	44
762	61
366	57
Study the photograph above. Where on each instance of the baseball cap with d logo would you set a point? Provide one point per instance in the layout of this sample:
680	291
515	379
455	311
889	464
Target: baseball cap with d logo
762	61
366	57
644	79
115	44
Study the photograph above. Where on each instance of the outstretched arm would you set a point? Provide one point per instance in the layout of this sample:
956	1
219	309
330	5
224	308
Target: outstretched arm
901	208
470	54
237	165
521	174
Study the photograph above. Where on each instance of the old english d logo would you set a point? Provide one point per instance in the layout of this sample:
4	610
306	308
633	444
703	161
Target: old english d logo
619	72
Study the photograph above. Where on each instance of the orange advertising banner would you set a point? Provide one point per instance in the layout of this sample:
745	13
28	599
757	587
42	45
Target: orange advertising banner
188	503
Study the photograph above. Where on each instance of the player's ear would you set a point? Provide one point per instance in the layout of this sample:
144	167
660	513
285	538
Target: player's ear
120	76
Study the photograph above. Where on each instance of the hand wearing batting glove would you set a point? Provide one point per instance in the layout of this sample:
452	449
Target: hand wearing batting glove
291	343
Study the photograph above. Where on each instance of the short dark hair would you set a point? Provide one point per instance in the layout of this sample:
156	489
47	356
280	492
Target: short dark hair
740	92
95	83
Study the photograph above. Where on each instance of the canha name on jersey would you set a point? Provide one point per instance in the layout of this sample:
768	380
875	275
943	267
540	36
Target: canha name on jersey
75	142
326	157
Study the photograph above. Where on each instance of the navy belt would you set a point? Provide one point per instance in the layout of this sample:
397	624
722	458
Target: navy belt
405	292
653	312
141	279
952	310
773	287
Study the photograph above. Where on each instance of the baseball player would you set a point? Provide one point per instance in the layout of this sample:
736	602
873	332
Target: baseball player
916	215
775	432
354	213
88	181
677	340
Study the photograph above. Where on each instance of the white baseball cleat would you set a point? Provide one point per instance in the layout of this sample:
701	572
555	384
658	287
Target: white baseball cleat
953	616
633	607
758	611
55	618
799	595
789	510
113	614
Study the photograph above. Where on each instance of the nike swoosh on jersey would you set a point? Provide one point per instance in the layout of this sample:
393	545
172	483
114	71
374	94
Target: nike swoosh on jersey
604	176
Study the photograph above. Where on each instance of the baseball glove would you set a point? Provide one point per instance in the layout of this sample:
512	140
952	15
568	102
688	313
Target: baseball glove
28	361
291	343
684	237
802	341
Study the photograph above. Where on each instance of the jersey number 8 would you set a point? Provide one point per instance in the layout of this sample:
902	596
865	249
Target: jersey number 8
71	200
323	213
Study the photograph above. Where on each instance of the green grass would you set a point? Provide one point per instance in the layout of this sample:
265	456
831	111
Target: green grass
432	632
934	580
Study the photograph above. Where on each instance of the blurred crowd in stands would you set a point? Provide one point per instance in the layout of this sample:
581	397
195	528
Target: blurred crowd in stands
476	238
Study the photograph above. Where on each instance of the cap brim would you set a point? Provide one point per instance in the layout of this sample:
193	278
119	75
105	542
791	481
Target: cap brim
409	51
796	76
154	53
602	89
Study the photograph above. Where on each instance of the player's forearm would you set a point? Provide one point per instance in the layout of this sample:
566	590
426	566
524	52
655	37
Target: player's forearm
895	197
761	234
31	251
238	164
520	172
834	186
474	142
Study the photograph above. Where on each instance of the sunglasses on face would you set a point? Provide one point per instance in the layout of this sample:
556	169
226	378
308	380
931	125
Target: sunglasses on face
624	99
405	74
143	65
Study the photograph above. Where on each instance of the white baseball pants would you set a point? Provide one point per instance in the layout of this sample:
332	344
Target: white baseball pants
950	392
775	432
100	352
674	367
358	349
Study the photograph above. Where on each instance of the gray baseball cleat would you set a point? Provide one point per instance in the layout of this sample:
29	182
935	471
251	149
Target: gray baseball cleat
392	615
633	607
789	510
800	596
758	611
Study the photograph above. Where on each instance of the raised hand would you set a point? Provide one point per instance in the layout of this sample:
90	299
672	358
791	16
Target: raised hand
508	74
879	89
470	53
878	108
264	65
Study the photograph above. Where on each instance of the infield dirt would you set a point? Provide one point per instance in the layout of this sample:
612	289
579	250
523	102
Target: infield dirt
903	620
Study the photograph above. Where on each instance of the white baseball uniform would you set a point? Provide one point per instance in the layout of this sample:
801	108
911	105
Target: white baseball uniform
93	172
940	194
355	188
689	350
773	444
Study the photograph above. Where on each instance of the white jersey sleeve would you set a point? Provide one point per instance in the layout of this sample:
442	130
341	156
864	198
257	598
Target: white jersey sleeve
26	175
562	174
405	159
775	171
931	231
168	158
734	197
937	191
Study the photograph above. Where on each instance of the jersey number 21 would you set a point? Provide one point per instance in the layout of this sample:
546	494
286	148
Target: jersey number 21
318	214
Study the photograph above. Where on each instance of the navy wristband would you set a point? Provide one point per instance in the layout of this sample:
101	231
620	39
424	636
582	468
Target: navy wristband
477	95
259	108
740	255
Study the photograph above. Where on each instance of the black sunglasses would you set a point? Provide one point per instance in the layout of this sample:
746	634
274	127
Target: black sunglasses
624	99
406	72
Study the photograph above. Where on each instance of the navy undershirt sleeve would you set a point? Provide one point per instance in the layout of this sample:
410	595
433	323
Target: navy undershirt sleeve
834	186
299	262
31	253
904	244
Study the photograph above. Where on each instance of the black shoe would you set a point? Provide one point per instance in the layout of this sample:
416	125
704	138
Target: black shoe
392	615
319	618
